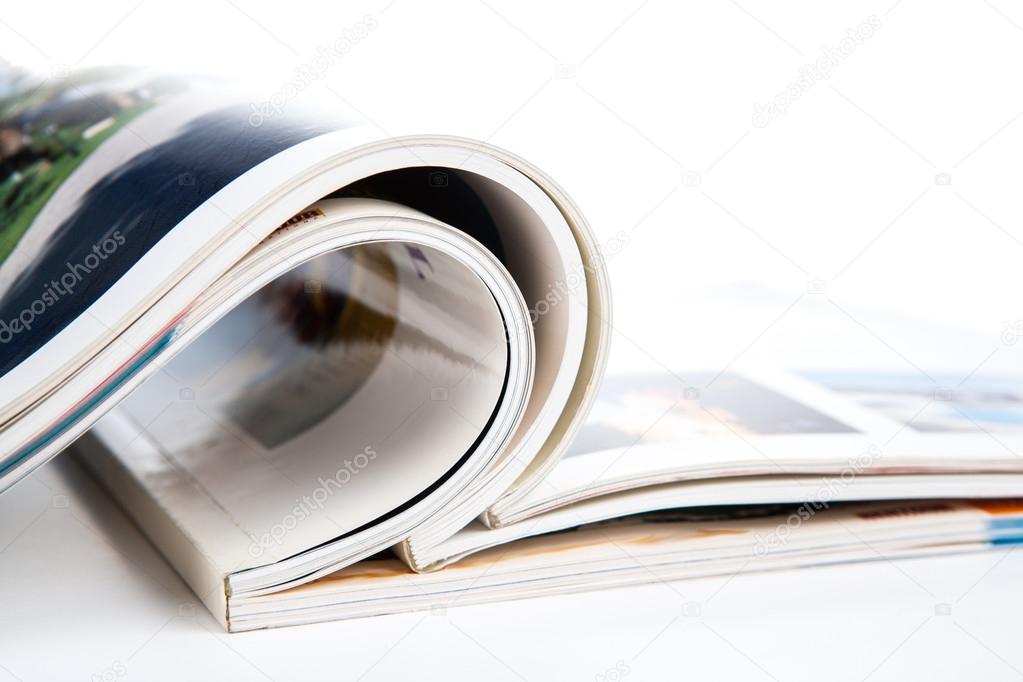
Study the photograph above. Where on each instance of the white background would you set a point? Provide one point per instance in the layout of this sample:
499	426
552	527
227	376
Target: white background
644	112
875	224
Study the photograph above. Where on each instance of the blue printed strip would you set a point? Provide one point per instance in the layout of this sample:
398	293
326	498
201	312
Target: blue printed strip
86	406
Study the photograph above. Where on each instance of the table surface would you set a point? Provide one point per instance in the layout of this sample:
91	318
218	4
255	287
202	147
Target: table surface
86	596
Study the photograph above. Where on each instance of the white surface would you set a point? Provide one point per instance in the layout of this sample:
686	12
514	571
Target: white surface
84	593
643	111
715	231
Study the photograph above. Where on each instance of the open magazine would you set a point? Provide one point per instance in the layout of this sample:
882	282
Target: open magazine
330	372
672	475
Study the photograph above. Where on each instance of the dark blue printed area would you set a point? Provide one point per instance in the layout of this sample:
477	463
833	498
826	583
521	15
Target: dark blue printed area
129	210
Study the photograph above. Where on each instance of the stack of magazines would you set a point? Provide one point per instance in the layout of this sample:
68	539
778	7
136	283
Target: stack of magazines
334	373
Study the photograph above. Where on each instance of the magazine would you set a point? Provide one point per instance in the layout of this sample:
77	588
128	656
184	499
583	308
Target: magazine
755	451
321	366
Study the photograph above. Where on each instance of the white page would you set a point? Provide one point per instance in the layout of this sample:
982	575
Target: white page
302	434
659	427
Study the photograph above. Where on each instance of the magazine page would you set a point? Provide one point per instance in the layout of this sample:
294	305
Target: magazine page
653	428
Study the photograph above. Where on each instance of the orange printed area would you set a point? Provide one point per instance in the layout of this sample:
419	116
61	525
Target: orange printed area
906	509
999	507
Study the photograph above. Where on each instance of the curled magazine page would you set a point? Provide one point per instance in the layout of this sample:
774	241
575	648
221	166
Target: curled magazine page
311	340
170	193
